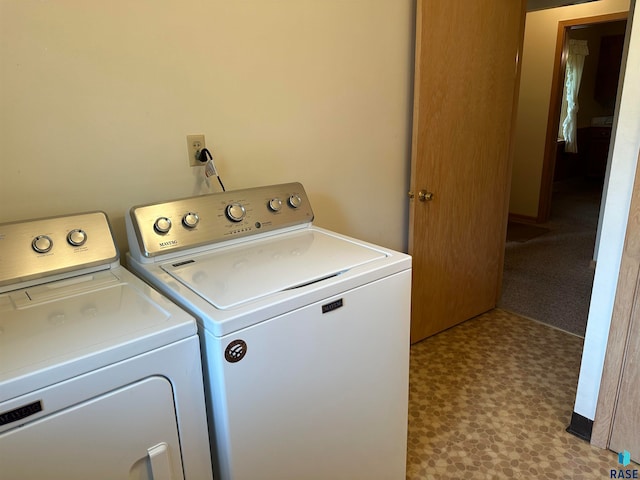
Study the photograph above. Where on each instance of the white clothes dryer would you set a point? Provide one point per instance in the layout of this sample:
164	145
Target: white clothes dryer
305	332
100	375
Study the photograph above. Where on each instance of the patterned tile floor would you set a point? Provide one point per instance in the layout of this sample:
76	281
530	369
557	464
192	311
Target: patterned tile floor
491	399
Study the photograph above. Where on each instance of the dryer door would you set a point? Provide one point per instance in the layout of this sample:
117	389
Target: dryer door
127	433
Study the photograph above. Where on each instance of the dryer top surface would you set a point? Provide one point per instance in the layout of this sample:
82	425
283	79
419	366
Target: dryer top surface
57	330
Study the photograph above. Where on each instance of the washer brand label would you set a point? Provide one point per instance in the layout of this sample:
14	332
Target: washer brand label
168	243
20	413
179	264
330	307
235	351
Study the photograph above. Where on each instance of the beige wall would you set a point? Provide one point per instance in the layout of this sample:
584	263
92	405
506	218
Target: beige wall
96	100
535	90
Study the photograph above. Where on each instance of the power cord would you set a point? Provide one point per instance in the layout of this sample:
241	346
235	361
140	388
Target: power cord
204	156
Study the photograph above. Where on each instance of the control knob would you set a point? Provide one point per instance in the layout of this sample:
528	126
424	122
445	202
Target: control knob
275	204
77	237
235	212
190	220
42	244
162	225
295	200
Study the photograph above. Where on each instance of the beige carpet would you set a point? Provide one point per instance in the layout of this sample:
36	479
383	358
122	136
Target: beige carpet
548	276
491	399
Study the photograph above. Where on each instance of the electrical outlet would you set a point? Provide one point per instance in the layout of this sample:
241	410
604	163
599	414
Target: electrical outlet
194	144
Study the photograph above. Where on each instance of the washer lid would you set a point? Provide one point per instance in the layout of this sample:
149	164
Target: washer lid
233	276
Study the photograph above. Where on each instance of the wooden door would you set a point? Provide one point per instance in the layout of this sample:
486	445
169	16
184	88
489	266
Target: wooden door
626	421
466	84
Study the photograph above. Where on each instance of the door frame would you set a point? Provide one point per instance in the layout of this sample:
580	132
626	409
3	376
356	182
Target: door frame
555	106
622	318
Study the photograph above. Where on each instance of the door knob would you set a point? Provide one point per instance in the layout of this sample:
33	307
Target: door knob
423	195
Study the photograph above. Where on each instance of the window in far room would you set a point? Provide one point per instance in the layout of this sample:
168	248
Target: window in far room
576	53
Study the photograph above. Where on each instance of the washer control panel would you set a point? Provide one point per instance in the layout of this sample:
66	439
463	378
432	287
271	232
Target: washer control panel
207	219
37	248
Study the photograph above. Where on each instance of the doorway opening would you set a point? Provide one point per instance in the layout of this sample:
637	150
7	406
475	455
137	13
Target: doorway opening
549	268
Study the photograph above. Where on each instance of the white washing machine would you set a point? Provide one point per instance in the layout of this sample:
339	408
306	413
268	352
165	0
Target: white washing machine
100	376
305	332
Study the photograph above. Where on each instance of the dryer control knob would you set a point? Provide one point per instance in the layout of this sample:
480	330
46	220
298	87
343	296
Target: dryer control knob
190	220
275	204
295	200
77	237
42	244
235	212
162	225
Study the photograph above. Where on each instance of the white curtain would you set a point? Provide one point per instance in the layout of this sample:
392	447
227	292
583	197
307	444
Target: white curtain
578	49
